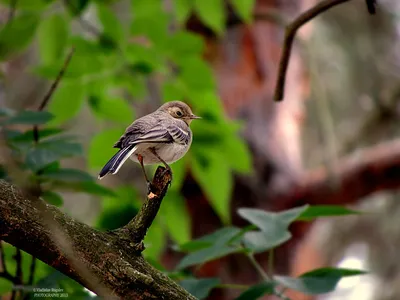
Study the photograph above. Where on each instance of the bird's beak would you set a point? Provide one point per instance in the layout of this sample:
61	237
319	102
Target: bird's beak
193	117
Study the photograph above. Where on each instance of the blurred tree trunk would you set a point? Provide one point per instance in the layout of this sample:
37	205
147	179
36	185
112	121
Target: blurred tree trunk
245	63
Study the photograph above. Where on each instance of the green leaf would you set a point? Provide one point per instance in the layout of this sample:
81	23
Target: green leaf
176	217
101	147
237	153
212	13
274	227
258	241
195	74
52	198
111	25
184	43
214	176
157	30
318	281
50	151
5	286
179	169
212	246
268	221
15	36
52	36
220	237
7	112
208	105
182	10
119	209
89	63
116	216
244	8
29	117
115	109
318	211
93	188
143	59
66	175
200	288
147	9
290	215
205	255
257	291
66	101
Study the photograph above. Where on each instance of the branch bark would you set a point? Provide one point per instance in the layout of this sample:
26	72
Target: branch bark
365	172
115	261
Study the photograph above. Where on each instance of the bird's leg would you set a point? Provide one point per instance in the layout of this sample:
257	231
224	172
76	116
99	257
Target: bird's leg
140	159
168	168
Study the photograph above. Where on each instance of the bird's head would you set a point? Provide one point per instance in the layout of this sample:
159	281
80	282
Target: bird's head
179	110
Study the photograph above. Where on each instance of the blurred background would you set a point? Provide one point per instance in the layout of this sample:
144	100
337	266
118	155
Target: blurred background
342	95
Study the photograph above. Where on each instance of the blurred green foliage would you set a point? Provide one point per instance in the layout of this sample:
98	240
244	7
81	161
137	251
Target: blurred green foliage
108	72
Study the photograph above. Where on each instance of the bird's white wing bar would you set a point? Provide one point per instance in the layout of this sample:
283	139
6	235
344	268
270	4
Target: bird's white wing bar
179	135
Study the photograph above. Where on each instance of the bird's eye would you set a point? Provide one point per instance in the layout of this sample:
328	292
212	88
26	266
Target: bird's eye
179	113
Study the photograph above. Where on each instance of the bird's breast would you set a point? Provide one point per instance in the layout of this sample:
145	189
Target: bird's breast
169	152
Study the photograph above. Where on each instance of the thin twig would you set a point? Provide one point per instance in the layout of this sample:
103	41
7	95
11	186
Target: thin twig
32	270
264	275
57	80
18	260
371	6
18	273
257	266
52	90
290	34
271	262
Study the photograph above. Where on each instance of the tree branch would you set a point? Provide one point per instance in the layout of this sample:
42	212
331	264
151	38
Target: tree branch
363	173
115	263
290	34
371	6
136	229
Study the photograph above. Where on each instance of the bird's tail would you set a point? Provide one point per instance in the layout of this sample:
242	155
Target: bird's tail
115	163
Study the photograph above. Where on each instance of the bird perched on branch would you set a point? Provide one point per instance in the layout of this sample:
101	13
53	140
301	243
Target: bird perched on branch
163	136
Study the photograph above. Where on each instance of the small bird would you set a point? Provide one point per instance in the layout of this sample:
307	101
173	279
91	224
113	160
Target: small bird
163	136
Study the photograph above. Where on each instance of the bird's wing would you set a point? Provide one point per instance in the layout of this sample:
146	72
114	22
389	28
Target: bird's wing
151	130
144	130
156	134
179	134
161	134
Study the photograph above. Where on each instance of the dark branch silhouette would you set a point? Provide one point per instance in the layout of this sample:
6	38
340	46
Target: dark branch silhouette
52	89
290	34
